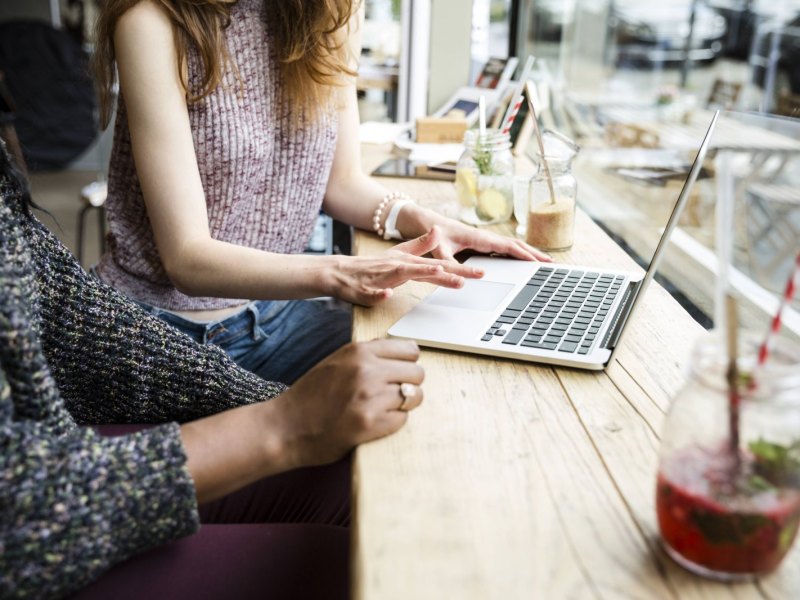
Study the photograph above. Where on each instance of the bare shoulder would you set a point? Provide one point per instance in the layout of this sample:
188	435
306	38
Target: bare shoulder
144	45
146	21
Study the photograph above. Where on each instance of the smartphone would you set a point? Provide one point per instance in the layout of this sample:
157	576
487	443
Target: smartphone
402	167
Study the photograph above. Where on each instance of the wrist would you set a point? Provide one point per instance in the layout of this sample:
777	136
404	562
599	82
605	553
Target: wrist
391	231
321	275
414	221
384	218
278	446
332	276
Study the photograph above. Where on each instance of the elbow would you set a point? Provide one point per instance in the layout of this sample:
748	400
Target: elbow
179	277
184	269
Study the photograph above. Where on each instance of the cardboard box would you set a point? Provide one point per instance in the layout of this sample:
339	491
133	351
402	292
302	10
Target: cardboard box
444	130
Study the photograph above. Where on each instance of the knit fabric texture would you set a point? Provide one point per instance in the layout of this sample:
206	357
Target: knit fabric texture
264	169
74	352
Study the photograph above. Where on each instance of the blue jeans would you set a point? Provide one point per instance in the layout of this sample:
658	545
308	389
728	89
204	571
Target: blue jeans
278	340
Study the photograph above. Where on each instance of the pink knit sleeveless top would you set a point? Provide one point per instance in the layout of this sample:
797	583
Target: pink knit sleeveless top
264	173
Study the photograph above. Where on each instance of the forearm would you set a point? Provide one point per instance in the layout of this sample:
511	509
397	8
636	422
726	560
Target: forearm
232	449
353	199
208	267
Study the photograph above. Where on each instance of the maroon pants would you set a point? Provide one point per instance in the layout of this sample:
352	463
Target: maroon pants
285	536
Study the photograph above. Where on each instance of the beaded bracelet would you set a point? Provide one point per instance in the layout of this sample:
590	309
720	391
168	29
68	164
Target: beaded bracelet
376	217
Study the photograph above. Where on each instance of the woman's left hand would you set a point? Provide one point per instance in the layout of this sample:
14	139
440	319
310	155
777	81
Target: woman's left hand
456	236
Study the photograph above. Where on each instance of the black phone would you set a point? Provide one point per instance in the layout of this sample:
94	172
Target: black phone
402	167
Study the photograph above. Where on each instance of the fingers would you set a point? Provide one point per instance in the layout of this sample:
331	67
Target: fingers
403	371
399	368
537	254
393	349
521	250
397	270
410	396
392	420
516	249
487	242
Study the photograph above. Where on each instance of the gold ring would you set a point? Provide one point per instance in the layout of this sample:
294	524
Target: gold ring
407	391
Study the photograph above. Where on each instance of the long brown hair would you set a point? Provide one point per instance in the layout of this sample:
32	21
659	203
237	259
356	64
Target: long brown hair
309	36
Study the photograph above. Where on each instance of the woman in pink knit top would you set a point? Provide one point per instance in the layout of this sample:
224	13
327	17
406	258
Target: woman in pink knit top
236	123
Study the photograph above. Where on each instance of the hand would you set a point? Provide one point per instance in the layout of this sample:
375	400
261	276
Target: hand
457	236
353	396
369	280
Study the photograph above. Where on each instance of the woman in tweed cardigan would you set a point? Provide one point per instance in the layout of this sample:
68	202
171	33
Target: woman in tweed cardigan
73	353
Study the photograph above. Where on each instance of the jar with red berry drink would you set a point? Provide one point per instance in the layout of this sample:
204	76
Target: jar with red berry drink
728	484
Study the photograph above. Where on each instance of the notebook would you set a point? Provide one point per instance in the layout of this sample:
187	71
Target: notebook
569	315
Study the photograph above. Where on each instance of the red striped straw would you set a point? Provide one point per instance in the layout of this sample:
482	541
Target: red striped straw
517	98
791	287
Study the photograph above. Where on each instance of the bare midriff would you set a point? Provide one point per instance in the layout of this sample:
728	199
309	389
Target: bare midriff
216	314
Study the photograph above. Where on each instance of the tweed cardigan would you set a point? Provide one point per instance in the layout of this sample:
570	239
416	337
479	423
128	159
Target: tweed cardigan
74	352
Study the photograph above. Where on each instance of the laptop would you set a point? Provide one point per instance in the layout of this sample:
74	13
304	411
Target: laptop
541	312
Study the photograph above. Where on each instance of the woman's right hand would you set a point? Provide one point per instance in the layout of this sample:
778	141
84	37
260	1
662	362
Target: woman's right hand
368	280
351	397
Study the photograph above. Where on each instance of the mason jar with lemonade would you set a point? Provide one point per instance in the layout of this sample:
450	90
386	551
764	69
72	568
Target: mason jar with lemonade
485	178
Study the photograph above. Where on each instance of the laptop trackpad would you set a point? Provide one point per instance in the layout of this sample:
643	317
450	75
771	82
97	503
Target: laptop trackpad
475	295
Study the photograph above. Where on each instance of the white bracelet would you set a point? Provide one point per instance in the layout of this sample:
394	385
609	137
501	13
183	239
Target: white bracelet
376	216
390	228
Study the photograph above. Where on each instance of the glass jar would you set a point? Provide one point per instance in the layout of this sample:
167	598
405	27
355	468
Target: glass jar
553	193
484	178
522	202
730	509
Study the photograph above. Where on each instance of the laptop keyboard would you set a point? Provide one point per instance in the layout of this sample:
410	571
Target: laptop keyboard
558	309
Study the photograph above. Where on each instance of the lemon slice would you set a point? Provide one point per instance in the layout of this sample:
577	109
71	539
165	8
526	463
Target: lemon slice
466	187
492	205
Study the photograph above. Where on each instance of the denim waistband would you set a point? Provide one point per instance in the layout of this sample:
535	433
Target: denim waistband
247	320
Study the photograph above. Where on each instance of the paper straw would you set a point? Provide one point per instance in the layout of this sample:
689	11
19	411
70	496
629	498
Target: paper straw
532	110
516	98
482	116
732	375
724	234
788	294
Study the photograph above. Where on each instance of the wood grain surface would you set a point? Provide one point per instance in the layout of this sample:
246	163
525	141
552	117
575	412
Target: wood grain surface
519	481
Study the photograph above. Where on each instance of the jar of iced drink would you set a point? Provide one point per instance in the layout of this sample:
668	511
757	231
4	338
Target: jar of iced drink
553	191
484	178
728	486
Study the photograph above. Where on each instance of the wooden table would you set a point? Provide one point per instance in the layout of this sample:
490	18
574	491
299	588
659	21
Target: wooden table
515	480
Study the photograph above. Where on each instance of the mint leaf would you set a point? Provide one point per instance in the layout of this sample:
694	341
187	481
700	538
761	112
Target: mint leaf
483	159
731	528
787	535
778	464
757	483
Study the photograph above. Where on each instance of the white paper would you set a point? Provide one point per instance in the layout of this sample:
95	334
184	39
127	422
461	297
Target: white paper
374	132
432	154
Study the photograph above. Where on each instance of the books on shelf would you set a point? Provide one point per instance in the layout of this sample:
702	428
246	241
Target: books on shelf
496	73
491	83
